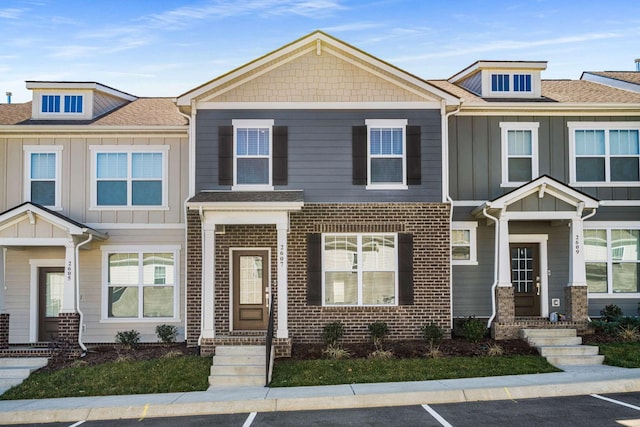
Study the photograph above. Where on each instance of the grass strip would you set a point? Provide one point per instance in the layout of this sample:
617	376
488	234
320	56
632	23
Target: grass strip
623	354
162	375
293	373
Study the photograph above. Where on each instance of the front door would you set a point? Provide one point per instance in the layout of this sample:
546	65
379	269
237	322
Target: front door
250	289
525	277
50	291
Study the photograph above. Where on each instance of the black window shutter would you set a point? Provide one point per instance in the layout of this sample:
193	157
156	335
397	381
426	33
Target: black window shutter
225	155
405	269
280	155
314	269
359	152
414	160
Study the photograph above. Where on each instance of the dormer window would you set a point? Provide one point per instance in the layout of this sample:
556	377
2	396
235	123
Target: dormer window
502	79
500	82
522	82
511	83
52	104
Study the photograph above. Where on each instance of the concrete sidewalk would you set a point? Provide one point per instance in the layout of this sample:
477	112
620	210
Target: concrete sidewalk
575	380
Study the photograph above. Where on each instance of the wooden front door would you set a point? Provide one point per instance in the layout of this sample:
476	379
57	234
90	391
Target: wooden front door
525	277
50	291
250	289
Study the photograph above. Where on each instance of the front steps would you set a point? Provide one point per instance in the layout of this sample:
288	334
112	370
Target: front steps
238	365
14	370
562	347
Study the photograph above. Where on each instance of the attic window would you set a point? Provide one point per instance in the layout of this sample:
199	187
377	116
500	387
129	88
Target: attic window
51	104
522	82
500	82
511	83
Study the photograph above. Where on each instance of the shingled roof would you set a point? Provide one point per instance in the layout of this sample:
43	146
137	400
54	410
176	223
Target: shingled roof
625	76
141	112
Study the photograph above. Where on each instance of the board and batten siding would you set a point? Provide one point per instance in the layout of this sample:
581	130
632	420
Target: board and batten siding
76	175
475	168
320	152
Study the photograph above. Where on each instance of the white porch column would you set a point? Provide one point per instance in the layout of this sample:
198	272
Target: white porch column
577	270
504	256
283	329
69	296
208	281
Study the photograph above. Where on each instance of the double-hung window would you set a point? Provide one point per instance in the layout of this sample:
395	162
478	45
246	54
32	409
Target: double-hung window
463	243
360	269
130	177
252	153
387	153
140	282
612	255
58	103
604	154
42	175
519	152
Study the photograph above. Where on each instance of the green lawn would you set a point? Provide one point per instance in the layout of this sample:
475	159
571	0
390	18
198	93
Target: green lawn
624	354
288	373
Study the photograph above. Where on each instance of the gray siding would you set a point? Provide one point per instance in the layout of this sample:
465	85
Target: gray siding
473	83
475	156
320	160
629	306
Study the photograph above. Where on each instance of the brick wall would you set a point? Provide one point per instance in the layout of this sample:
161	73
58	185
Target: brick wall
427	222
577	303
68	332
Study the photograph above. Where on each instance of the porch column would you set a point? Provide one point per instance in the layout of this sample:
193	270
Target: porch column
577	270
283	330
208	281
504	257
69	293
4	317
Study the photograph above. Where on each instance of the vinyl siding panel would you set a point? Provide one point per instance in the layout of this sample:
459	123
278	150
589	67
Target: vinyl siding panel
320	152
475	150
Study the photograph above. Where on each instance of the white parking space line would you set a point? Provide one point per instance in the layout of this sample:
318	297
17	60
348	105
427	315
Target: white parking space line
617	402
437	416
250	419
78	423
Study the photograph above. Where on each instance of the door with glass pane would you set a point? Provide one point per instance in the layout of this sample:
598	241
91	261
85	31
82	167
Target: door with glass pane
51	289
525	278
250	289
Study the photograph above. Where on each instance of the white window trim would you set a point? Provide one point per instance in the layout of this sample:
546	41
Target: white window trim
359	237
505	127
87	105
471	226
129	149
489	93
112	249
387	123
48	149
608	226
253	123
605	126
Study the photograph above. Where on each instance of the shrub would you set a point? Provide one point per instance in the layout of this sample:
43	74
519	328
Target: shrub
608	328
381	354
495	350
432	334
628	333
332	332
129	339
167	334
336	352
611	313
378	331
474	329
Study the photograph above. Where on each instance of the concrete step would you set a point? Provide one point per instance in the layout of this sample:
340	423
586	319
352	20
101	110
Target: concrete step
17	372
238	369
236	381
554	341
35	362
239	360
530	333
568	350
575	360
241	350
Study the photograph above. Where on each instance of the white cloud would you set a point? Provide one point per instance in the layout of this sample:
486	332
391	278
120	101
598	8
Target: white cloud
11	13
355	26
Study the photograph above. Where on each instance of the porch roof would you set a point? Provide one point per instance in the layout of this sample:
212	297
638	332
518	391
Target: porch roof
72	227
541	185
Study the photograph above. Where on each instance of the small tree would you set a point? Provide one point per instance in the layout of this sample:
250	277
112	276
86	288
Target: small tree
129	339
167	334
331	334
474	329
378	331
432	334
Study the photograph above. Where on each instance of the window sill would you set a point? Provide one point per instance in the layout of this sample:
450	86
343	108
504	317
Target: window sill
252	187
142	320
129	208
471	262
614	295
387	187
605	184
513	184
357	307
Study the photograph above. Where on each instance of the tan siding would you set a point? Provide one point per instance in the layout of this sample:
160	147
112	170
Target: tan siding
15	174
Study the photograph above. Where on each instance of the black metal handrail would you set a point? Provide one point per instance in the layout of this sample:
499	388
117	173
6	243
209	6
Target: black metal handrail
269	341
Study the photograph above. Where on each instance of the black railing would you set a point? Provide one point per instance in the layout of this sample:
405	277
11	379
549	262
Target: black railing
269	342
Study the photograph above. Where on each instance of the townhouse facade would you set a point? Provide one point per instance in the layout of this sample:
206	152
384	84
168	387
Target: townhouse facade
318	183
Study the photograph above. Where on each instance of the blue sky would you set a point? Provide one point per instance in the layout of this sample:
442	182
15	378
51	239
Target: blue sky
166	47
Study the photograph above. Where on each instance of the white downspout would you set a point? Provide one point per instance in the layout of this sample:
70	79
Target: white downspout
445	185
186	222
201	214
495	267
77	285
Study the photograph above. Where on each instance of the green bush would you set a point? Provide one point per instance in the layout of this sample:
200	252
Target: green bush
129	339
332	332
611	313
167	334
378	331
432	334
474	329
